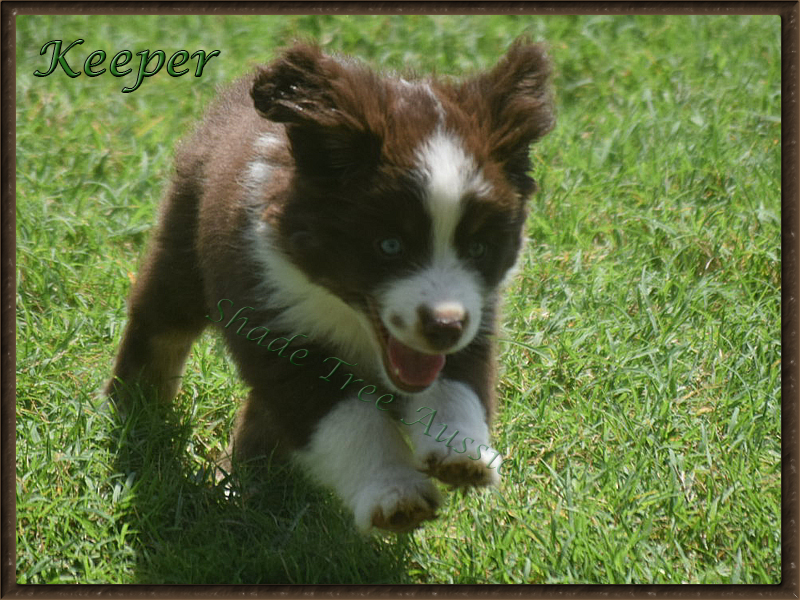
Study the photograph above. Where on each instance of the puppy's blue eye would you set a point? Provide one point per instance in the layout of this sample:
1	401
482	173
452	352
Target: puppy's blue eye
476	249
391	247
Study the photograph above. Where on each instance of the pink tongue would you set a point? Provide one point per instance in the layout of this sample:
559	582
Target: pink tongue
413	368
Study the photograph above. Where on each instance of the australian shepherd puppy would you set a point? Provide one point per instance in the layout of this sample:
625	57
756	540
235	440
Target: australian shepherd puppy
349	233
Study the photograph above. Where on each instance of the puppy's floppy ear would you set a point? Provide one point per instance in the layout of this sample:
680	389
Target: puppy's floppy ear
514	99
327	118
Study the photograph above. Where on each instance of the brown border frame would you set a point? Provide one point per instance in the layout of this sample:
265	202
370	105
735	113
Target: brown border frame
790	46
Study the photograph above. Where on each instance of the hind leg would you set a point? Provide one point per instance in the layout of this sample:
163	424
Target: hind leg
166	310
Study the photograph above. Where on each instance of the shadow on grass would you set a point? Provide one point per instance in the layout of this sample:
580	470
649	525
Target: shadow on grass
190	530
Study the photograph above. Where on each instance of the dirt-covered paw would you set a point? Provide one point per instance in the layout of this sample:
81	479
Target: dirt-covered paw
460	470
399	507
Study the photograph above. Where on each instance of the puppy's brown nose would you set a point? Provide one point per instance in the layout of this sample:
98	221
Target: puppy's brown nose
442	325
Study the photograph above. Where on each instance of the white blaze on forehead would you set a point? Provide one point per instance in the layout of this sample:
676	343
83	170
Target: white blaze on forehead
267	142
448	175
256	175
254	178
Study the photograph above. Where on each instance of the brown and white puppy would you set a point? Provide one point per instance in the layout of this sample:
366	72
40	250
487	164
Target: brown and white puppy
368	221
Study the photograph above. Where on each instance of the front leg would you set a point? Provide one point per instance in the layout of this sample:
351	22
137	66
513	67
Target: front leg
448	427
359	452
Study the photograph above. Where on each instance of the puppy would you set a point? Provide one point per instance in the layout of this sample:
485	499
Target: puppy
349	233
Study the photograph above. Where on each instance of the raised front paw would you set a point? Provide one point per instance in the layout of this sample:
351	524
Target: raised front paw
462	470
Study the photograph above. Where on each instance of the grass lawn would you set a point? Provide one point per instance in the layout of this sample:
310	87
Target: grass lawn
640	388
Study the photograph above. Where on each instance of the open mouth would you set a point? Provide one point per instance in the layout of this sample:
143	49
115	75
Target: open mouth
410	370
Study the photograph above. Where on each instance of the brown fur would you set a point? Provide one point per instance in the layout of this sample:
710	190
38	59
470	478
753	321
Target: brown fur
346	133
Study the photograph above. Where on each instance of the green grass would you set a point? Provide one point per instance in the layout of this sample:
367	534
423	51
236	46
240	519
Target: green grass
641	349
